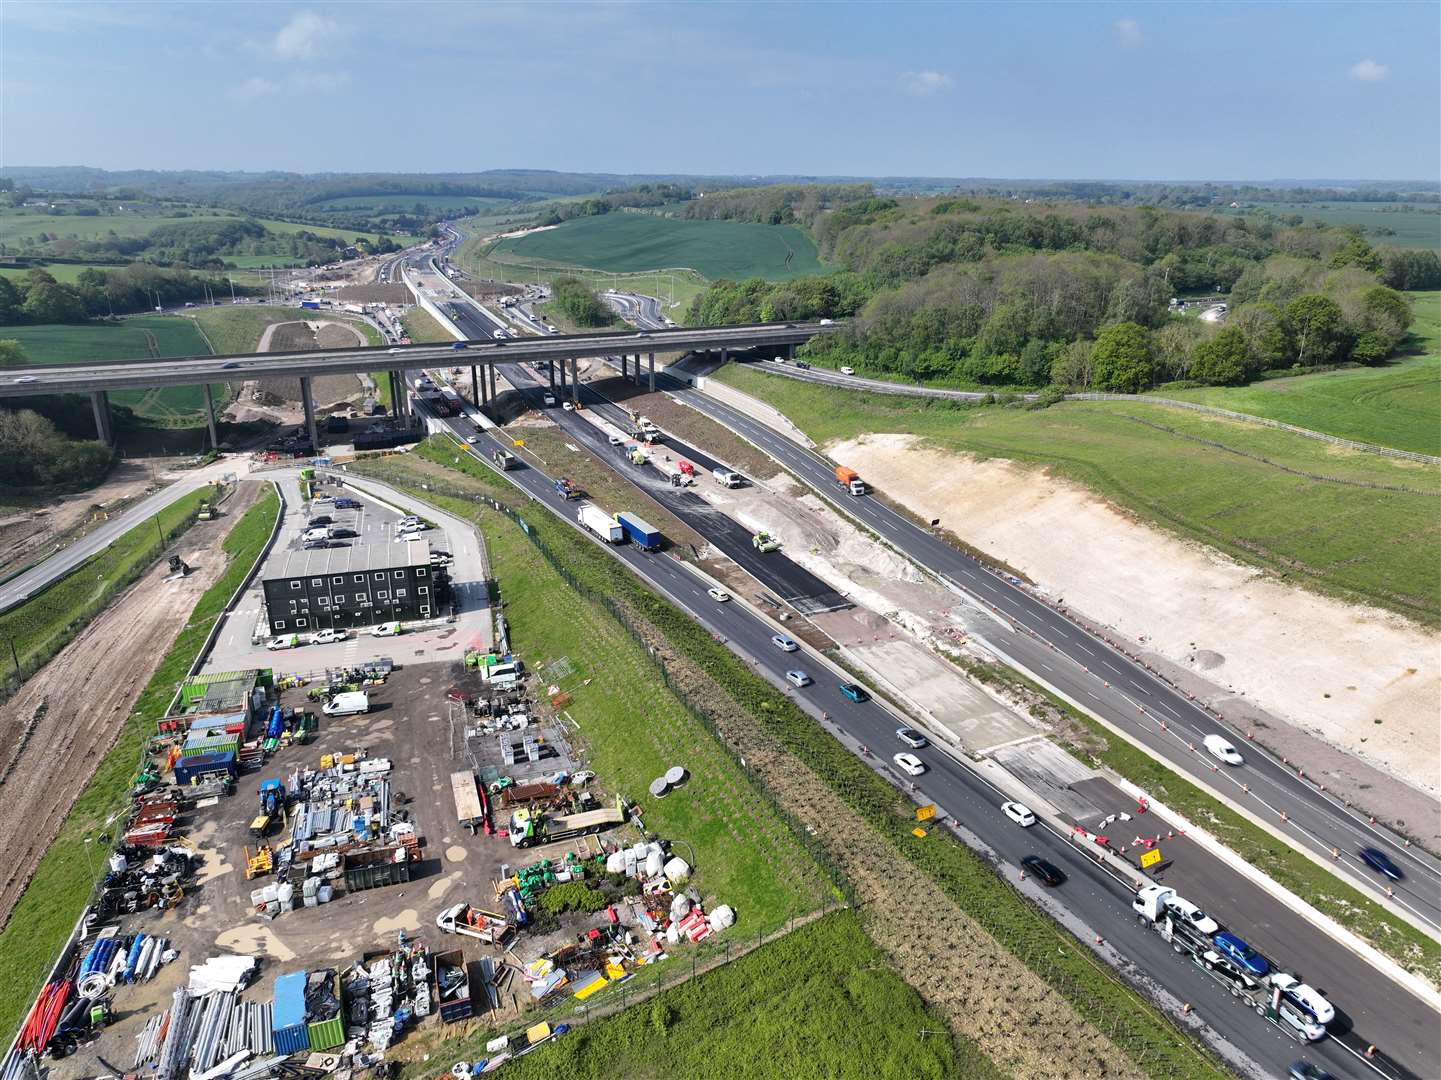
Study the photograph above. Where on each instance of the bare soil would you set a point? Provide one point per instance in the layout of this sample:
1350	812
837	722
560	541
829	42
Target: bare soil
54	732
29	533
331	392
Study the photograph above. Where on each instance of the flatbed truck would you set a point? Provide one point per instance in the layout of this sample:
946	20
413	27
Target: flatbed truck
531	827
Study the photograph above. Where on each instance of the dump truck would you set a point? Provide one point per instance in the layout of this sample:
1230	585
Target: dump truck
504	459
765	542
491	927
452	986
646	537
531	827
851	480
598	521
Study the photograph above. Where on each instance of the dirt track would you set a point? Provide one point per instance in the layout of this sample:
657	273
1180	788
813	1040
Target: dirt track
54	732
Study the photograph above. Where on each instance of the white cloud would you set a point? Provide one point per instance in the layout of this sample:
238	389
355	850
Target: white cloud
1368	71
252	88
1129	33
925	83
304	36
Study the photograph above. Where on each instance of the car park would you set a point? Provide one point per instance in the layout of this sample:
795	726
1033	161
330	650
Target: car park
855	691
325	637
1239	953
798	678
1221	749
284	641
1182	909
911	737
1047	872
1020	813
720	596
1380	862
783	643
910	764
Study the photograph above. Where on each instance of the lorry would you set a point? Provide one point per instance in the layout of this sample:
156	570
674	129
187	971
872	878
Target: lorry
851	480
452	986
504	460
1284	1000
728	477
644	536
597	521
530	827
566	489
491	927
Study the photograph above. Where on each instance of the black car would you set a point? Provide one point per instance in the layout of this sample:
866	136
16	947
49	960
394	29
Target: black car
1378	861
312	545
343	533
1048	872
322	519
1304	1070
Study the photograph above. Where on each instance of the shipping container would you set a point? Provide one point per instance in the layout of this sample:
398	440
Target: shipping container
287	1018
328	1032
189	769
210	743
642	535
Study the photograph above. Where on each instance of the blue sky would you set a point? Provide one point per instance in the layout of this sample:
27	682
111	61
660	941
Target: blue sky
1138	90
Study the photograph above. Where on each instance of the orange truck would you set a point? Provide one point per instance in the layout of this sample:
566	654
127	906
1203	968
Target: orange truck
850	480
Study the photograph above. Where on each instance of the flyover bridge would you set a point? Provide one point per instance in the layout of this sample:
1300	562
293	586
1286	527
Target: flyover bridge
99	378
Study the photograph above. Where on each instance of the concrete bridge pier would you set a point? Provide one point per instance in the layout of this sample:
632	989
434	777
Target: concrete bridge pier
575	380
623	359
100	402
307	402
474	385
490	374
210	419
550	372
652	372
791	351
725	355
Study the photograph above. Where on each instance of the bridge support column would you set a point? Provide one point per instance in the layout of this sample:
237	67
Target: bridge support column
725	355
100	402
395	402
210	419
791	351
307	402
490	371
550	373
575	380
474	384
623	359
652	372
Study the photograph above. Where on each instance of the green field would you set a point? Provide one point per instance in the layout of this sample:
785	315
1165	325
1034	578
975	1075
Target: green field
18	225
1398	405
251	262
127	339
62	272
1415	225
821	1002
1323	535
405	204
46	912
629	242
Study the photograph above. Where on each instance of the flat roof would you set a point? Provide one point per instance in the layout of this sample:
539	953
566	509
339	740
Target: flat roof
318	562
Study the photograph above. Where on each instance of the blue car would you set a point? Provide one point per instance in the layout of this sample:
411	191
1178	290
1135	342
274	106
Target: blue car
1378	861
855	692
1239	953
460	345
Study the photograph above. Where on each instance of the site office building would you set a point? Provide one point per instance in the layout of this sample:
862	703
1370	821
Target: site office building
342	588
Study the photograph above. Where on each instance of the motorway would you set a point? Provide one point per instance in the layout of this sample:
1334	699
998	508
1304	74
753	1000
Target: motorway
1093	901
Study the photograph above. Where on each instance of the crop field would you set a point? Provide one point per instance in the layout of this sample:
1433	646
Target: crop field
128	339
1414	225
405	204
630	242
62	272
1398	405
16	226
1265	497
821	1001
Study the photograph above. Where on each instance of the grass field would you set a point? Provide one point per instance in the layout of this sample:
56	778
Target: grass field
405	204
238	329
421	326
128	339
1415	226
1318	534
820	1001
47	911
62	272
251	262
630	242
16	226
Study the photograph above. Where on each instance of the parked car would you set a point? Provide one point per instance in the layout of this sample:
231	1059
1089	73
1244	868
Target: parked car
325	637
910	764
385	629
1239	953
1222	750
798	678
855	691
911	737
343	534
284	641
1048	872
345	502
783	643
1020	813
720	596
412	527
319	520
1380	862
1182	909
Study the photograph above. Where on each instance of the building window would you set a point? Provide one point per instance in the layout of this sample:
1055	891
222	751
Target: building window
425	609
280	624
300	622
360	579
324	601
399	593
400	573
360	598
382	595
295	584
337	581
380	576
316	582
424	590
339	599
420	572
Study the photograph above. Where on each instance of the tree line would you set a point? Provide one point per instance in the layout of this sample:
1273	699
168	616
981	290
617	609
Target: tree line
579	303
36	297
35	455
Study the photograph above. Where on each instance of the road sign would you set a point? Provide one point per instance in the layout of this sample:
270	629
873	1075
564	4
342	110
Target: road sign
1150	858
925	813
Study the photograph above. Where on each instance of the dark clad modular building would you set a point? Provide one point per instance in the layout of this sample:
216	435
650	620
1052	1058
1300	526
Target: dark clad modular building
340	588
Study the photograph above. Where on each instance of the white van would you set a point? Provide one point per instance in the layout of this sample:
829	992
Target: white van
348	704
311	535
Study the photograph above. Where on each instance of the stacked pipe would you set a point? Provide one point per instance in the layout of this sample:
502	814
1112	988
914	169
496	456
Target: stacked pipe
148	1041
177	1037
214	1010
44	1017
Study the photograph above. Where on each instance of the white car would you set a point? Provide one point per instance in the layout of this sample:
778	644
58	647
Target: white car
411	527
1221	749
472	439
568	406
783	643
385	629
720	596
1019	813
395	350
909	763
1307	995
1183	909
615	440
27	378
848	371
284	641
798	678
325	637
911	737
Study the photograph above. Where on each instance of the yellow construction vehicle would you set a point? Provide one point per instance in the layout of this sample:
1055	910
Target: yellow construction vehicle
262	862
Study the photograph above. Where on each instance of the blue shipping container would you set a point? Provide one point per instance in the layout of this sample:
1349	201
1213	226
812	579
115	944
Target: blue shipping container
287	1018
189	769
642	535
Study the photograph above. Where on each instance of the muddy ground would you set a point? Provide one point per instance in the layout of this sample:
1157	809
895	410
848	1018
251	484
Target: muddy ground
54	732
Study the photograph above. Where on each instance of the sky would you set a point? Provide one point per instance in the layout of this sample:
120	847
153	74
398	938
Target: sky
1152	91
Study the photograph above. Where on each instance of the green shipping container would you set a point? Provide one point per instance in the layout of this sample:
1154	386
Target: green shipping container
328	1034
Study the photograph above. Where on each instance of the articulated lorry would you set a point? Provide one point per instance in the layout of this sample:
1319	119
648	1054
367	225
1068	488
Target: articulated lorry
850	480
646	537
531	827
599	522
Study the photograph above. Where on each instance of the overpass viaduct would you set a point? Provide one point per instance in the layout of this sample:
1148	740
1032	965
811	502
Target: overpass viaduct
481	356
